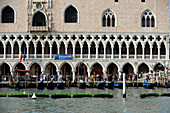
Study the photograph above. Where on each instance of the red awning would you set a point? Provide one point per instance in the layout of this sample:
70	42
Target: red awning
20	70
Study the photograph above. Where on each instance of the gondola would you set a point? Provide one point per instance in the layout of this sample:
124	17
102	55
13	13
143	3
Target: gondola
50	85
40	85
82	85
149	85
118	85
61	85
110	85
100	85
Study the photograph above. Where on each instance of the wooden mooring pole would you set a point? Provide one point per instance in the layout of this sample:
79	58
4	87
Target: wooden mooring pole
124	85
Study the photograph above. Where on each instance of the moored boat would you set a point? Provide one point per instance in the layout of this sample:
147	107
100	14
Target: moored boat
100	85
149	85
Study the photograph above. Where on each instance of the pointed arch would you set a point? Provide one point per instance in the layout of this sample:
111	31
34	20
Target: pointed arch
16	48
39	48
131	49
155	49
71	15
54	48
116	48
124	48
162	49
148	19
139	49
152	21
113	21
143	21
97	68
50	68
85	48
77	49
62	48
81	71
20	65
1	48
143	68
104	21
101	48
70	48
5	68
128	69
158	67
108	21
37	68
147	49
46	48
39	19
24	48
8	48
8	15
93	48
108	18
112	70
31	48
108	48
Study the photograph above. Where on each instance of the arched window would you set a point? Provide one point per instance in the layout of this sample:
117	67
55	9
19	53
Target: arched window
39	19
70	15
108	19
147	19
8	15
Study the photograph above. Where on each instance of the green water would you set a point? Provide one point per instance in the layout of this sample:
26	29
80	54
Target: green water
133	103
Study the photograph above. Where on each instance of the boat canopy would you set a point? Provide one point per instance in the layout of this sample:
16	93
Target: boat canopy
20	70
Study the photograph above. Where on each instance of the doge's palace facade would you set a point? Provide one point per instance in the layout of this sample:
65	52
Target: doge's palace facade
103	36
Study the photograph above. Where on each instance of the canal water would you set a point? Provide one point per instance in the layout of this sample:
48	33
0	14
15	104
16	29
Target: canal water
133	103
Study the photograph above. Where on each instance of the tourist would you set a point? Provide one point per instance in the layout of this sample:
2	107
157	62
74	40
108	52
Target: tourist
5	78
106	77
60	78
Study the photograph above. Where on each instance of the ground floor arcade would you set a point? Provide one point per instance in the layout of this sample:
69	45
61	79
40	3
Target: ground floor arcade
82	69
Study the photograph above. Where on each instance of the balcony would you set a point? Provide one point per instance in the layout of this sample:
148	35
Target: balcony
38	29
85	55
92	55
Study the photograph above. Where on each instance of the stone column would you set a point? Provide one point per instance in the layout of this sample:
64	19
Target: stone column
58	50
42	51
104	57
150	52
135	52
112	53
4	52
73	51
97	51
20	52
50	52
127	57
89	53
143	52
58	73
167	51
28	52
74	75
81	52
66	49
12	76
35	54
104	74
120	52
158	52
88	72
12	52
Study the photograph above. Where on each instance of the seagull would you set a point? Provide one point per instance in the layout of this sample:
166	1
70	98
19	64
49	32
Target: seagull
24	92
